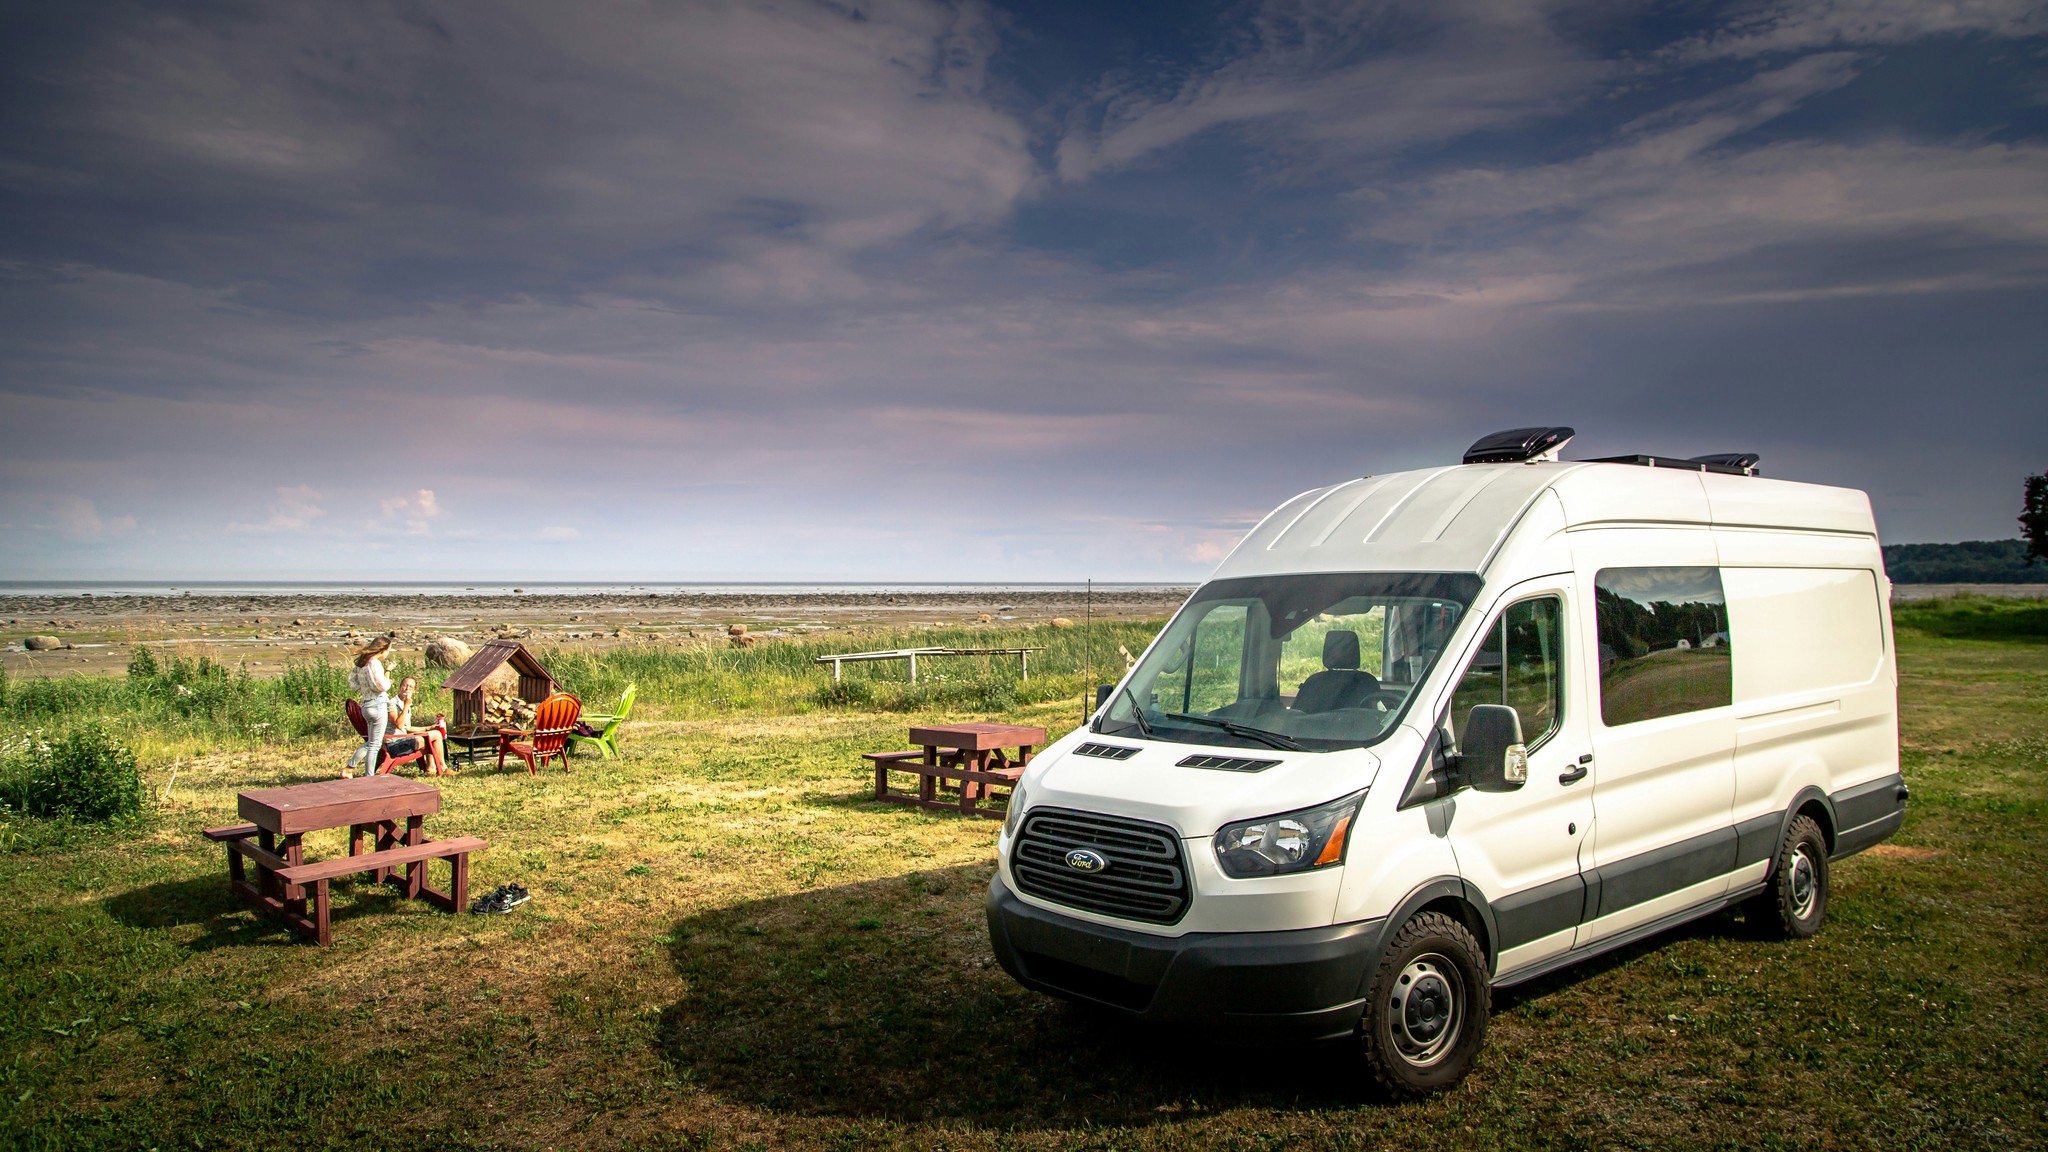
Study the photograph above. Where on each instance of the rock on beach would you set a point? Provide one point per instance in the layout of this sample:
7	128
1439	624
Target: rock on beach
43	643
446	652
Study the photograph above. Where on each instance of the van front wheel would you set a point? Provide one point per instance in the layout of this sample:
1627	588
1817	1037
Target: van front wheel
1791	906
1426	1014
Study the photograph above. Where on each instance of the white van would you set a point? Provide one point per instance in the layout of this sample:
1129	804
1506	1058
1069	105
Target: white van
1431	733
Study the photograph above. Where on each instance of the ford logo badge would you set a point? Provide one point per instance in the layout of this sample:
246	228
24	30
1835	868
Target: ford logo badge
1082	860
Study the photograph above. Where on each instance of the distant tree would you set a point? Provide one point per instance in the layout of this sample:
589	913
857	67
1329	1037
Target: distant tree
2034	519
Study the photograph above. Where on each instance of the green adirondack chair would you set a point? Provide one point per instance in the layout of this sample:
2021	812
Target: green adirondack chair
607	738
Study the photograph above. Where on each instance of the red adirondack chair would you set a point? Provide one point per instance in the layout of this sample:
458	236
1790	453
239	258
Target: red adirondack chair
397	749
552	723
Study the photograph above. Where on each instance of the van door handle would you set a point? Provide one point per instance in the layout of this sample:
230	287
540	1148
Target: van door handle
1573	775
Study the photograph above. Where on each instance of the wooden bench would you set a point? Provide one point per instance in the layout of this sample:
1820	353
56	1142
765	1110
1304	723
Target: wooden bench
289	901
973	782
231	832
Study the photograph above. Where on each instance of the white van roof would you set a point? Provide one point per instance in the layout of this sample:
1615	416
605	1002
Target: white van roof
1455	519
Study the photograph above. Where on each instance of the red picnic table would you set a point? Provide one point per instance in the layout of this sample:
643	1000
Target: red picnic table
975	755
279	818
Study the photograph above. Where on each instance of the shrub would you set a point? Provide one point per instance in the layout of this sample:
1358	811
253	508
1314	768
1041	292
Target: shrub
847	693
85	775
313	682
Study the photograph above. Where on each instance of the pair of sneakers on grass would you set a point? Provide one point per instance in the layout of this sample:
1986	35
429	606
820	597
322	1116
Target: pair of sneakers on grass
503	898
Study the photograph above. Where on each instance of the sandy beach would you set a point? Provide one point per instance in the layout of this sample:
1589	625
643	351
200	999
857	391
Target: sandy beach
264	630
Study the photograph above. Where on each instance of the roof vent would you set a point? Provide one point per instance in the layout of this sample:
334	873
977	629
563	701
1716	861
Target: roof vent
1743	462
1518	445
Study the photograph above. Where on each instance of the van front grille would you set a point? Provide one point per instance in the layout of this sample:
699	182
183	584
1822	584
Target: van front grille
1143	877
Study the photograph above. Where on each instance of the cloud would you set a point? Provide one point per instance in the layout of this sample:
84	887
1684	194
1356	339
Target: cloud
294	508
525	150
411	513
77	518
1811	24
559	532
1339	80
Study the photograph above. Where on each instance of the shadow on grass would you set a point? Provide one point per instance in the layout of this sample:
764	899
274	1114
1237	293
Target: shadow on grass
226	918
881	999
1720	926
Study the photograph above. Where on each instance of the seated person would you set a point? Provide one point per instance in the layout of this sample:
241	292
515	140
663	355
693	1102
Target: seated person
401	723
1341	683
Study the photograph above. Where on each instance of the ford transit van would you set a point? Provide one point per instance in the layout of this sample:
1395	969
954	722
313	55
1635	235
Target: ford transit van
1427	734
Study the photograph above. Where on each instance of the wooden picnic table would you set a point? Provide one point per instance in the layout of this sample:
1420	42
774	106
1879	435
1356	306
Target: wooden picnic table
976	756
374	806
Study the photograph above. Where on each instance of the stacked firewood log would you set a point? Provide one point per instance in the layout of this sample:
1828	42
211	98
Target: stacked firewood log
507	711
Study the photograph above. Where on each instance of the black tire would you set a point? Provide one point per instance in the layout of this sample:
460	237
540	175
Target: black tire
1425	1015
1795	901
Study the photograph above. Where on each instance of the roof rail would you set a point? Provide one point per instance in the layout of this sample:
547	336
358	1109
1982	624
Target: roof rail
1727	463
1517	445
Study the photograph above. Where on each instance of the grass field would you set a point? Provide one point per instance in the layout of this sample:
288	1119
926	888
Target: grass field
729	948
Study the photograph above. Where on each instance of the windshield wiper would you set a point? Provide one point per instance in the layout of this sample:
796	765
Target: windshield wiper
1137	713
1270	739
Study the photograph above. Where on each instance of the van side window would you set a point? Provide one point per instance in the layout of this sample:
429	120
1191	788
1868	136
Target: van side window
1663	643
1521	664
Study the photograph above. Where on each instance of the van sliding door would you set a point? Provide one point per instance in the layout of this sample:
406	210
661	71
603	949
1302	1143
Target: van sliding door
1657	650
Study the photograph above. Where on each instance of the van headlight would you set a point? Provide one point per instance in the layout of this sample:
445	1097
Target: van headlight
1013	818
1289	842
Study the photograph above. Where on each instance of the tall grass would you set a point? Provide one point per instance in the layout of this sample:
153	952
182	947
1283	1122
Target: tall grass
782	675
187	701
173	702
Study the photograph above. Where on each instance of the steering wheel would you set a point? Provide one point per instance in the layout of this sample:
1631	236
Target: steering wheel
1382	700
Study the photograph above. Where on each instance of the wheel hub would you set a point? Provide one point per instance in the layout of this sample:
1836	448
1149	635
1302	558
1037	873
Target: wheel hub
1805	883
1427	1009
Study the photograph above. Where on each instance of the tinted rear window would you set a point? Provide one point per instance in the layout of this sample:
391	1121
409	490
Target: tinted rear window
1664	643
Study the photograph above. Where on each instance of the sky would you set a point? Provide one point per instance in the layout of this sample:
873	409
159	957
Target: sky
918	290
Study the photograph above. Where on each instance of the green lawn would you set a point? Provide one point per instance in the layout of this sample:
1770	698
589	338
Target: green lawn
729	947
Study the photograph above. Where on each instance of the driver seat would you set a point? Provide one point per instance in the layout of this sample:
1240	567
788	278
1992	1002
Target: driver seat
1341	683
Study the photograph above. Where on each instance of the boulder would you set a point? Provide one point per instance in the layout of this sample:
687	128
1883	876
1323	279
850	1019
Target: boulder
446	652
503	681
43	644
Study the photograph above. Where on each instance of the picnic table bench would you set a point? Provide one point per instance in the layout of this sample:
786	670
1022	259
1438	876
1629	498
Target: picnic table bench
278	819
974	757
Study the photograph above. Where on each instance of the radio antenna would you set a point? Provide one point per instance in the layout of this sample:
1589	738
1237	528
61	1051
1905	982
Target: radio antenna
1087	649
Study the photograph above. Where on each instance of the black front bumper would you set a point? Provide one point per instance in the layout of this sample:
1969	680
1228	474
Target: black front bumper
1309	981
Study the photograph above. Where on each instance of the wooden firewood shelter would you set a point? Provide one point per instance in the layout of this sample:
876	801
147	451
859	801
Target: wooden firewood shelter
467	683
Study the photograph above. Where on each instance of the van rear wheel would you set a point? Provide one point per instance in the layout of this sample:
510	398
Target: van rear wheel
1792	905
1426	1014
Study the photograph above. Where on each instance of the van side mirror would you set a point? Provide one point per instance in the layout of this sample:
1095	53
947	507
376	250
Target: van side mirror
1102	692
1493	758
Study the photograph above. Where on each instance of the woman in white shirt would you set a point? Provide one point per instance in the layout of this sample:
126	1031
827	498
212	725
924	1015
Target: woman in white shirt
370	683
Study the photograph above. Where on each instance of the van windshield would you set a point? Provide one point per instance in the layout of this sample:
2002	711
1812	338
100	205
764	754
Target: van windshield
1311	662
